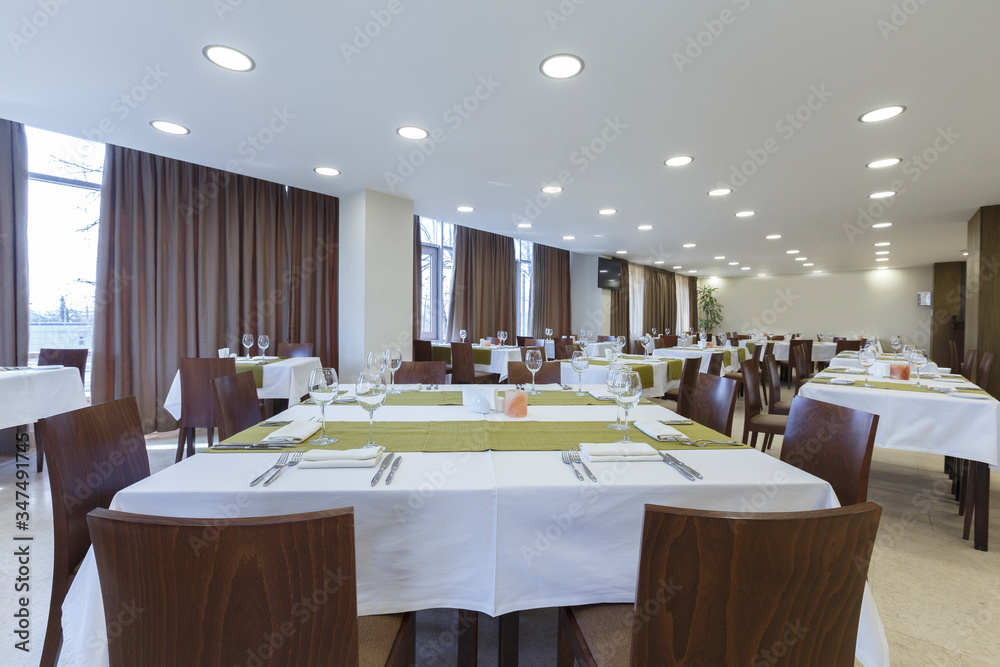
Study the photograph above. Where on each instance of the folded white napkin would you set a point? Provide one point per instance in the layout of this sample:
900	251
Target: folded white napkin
618	451
859	371
363	457
223	352
661	432
842	381
294	433
602	394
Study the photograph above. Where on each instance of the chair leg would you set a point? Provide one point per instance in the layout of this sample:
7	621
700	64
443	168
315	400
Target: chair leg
181	435
190	442
39	451
753	441
564	650
53	629
960	474
211	435
507	653
468	638
970	500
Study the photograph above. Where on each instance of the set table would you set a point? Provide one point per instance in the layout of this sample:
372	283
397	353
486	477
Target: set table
492	359
665	374
730	361
823	352
30	394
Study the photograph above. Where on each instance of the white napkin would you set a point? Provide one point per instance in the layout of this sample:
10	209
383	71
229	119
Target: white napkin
842	381
294	433
363	457
618	451
52	367
661	432
602	394
223	352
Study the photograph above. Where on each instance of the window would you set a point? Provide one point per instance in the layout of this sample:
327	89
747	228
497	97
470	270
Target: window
64	202
524	251
436	265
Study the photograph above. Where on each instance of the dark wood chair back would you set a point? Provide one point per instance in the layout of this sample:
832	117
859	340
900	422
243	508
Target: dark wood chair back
689	386
463	365
549	373
802	360
669	340
228	592
94	453
295	350
714	403
772	380
954	360
833	443
969	365
236	403
776	338
73	358
421	372
659	343
762	580
983	374
844	345
752	405
534	342
423	350
637	347
562	350
540	348
521	340
715	363
197	406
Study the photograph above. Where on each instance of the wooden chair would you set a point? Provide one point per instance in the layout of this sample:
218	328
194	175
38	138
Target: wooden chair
768	350
754	420
776	338
423	350
521	340
197	405
969	365
295	350
715	363
725	588
605	339
790	365
844	345
833	443
421	372
659	343
463	367
714	403
681	399
983	374
772	380
954	360
540	348
72	358
562	350
549	373
637	347
94	453
803	365
669	340
244	584
236	403
737	376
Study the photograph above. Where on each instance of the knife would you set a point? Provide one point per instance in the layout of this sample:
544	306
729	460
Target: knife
677	465
683	465
392	470
250	446
381	468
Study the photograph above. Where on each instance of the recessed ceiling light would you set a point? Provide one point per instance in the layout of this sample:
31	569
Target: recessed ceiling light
881	195
882	244
621	252
552	189
228	58
880	225
678	267
818	271
561	66
881	114
689	245
801	259
720	257
745	214
762	275
659	261
809	264
465	209
692	271
734	263
882	268
524	225
791	252
772	237
881	252
412	132
568	238
608	211
719	192
327	171
678	161
882	259
965	253
886	162
168	127
744	268
645	228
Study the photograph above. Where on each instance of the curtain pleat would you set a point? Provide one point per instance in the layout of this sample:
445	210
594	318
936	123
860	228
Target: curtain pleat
660	300
484	287
693	301
619	306
550	290
417	285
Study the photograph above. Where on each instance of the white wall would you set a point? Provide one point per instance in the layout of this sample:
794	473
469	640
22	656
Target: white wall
878	303
590	305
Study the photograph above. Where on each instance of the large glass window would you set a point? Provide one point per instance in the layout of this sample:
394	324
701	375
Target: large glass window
524	250
436	266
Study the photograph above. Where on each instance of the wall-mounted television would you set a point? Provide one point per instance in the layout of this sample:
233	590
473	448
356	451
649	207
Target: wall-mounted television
609	273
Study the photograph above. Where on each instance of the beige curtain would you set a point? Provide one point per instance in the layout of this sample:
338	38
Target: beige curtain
550	290
660	300
13	254
417	257
190	258
693	301
484	287
619	306
683	307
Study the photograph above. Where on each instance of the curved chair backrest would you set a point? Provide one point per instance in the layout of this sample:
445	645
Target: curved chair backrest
74	358
540	348
295	350
715	402
752	405
969	365
848	346
197	404
669	340
236	403
803	364
773	380
562	350
985	366
423	350
549	373
715	363
688	386
463	365
421	372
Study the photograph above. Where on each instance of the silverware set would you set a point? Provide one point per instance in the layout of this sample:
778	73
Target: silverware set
285	460
684	469
573	458
385	464
432	387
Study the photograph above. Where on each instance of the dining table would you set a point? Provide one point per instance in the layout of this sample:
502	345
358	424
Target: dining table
32	393
658	375
483	514
486	358
882	363
732	356
821	352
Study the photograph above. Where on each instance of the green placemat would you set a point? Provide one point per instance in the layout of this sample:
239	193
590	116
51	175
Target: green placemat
645	371
257	370
411	398
480	355
568	398
898	386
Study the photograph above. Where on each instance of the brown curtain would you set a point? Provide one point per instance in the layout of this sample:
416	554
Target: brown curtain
190	258
13	254
550	290
693	301
484	287
417	257
619	306
659	308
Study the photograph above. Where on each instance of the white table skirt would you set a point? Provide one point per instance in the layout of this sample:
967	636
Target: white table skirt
286	379
851	361
30	395
820	351
705	356
598	374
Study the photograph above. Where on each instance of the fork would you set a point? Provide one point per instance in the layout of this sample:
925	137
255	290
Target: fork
574	457
280	463
294	461
566	459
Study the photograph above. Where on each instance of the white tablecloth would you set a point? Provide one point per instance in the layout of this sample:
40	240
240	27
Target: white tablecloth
30	395
820	351
736	355
850	360
287	379
494	532
598	374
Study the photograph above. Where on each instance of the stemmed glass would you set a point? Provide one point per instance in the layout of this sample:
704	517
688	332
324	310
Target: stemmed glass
646	341
666	332
248	343
918	358
628	392
895	344
263	341
323	388
702	339
654	332
533	360
580	364
370	389
619	344
463	333
502	335
866	357
548	333
393	359
613	372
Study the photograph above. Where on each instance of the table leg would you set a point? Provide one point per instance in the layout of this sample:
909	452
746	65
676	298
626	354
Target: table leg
982	505
509	627
468	637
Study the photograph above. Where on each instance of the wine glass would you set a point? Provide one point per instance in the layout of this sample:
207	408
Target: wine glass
463	333
646	340
654	332
628	392
580	364
613	372
619	343
263	341
533	360
548	333
918	358
666	332
866	357
895	344
370	389
502	335
248	343
323	387
394	359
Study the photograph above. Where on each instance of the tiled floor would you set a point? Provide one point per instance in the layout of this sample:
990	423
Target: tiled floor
939	599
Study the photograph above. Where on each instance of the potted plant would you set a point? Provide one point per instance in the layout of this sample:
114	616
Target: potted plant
711	309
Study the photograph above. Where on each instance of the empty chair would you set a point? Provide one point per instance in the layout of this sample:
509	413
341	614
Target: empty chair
768	351
969	365
715	363
521	340
983	374
803	366
561	349
844	345
659	343
681	399
243	585
772	380
236	403
73	358
423	350
197	404
792	364
463	367
714	403
954	359
833	443
669	340
605	339
421	372
295	350
540	348
737	587
776	338
108	438
754	420
518	373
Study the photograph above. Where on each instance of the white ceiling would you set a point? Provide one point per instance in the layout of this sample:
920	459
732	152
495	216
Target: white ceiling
941	63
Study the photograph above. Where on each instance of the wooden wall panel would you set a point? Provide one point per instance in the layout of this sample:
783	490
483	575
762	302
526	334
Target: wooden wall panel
949	283
983	287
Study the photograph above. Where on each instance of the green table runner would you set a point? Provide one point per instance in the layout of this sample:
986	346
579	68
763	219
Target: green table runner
477	436
256	369
899	386
568	398
645	371
480	355
411	398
